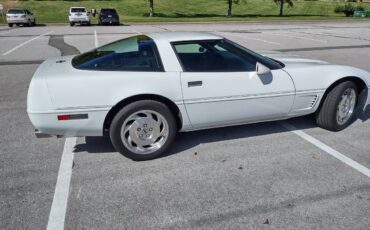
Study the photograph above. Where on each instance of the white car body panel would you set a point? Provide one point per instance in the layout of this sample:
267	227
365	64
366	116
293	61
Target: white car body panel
238	98
57	88
19	18
78	17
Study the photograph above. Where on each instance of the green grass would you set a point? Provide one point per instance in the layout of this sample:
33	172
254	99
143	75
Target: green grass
186	10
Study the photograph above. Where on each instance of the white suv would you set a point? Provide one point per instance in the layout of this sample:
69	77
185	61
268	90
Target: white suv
78	15
19	16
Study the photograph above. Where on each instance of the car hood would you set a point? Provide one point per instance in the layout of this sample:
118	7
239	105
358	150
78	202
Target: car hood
293	61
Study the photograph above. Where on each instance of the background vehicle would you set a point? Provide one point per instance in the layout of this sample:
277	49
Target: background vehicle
79	15
143	89
108	16
20	16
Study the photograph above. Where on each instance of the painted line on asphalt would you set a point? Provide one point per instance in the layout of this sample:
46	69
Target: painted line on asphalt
324	48
30	62
25	43
59	206
5	32
346	160
299	37
250	38
136	31
96	39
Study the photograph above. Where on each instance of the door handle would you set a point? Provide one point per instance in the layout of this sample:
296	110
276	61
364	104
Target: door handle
195	83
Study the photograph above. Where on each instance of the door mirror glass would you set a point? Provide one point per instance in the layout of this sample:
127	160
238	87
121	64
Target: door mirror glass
262	69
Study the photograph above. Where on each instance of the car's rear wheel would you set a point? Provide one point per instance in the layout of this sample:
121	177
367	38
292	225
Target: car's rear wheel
10	24
71	23
143	130
339	107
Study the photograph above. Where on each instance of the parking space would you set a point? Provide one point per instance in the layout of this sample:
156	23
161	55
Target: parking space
253	176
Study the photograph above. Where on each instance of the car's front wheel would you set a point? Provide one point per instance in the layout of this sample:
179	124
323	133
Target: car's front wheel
143	130
338	110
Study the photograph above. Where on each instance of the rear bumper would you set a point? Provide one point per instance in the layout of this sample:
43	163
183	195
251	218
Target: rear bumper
79	20
109	21
47	124
15	21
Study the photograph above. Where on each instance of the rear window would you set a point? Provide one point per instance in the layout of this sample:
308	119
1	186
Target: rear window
78	10
138	53
15	11
108	11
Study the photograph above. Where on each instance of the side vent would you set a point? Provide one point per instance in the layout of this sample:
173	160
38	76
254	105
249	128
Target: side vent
313	101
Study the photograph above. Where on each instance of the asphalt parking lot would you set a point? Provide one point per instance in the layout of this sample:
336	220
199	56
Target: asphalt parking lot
260	176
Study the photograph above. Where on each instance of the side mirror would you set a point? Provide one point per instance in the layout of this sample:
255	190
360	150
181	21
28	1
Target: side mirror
262	69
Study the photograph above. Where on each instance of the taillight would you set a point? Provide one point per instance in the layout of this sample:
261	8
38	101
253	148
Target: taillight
63	117
66	117
23	16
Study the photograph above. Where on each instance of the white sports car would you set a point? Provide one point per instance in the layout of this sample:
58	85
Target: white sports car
142	90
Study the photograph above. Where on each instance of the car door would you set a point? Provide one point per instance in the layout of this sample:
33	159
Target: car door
221	87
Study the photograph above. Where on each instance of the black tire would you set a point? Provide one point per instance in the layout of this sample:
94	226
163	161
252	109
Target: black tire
34	22
125	112
326	115
10	24
71	23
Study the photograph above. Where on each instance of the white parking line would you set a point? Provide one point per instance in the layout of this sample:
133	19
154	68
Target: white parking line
26	42
299	37
5	32
348	161
96	39
251	38
59	205
135	31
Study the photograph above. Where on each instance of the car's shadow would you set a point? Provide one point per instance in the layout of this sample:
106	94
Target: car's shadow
189	140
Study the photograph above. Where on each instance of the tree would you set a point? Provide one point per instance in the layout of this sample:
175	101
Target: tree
282	2
230	4
151	6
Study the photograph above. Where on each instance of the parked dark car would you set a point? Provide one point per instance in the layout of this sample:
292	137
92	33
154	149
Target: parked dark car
108	16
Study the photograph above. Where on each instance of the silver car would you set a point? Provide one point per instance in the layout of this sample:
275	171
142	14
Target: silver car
20	16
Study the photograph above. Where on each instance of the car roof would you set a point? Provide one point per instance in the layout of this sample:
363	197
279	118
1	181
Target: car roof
78	7
17	9
183	36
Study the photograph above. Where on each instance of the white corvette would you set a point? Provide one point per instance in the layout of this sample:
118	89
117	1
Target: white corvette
143	89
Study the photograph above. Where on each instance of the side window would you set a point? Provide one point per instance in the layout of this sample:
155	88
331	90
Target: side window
213	56
137	53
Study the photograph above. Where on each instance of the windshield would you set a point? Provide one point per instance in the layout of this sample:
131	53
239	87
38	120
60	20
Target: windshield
78	10
15	11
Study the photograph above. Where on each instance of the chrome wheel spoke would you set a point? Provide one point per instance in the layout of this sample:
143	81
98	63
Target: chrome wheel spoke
144	132
346	106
